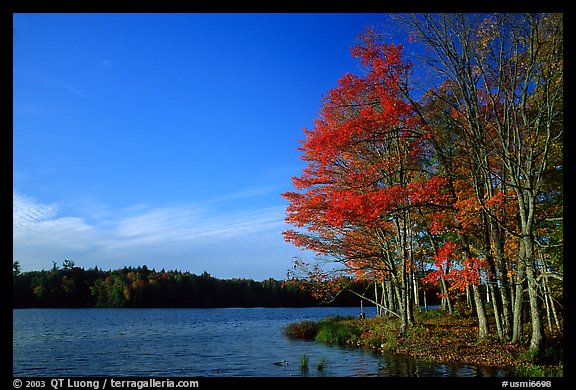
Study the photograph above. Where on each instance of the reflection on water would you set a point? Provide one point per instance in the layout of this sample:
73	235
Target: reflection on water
196	342
404	366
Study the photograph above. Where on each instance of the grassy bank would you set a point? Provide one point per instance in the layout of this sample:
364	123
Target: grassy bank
435	336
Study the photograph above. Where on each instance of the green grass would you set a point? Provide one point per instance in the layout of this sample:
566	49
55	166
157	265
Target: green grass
435	336
539	371
304	363
321	363
338	330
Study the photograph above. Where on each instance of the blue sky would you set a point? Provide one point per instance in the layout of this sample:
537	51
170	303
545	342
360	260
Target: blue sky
166	139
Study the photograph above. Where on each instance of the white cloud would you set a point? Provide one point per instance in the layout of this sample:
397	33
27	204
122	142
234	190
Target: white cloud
26	212
239	243
104	64
64	86
38	224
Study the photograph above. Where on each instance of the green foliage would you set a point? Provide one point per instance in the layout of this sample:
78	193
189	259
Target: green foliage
552	356
429	314
436	336
15	268
539	371
338	329
71	286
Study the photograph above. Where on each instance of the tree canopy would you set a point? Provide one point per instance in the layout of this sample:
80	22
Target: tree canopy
457	184
71	286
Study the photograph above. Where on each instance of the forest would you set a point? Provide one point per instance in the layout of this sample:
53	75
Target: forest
443	154
71	286
438	168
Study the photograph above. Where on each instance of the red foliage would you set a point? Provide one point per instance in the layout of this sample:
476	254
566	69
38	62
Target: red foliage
459	274
367	164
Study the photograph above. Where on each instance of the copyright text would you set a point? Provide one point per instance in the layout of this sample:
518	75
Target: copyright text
103	383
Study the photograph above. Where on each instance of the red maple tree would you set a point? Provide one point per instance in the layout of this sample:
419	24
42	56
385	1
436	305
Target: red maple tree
368	169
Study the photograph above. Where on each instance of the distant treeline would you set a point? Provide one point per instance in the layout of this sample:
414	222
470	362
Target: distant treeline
71	286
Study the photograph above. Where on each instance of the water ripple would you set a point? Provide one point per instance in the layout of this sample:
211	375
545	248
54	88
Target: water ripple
193	342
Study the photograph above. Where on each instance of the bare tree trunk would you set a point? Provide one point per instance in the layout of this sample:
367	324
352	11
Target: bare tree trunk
483	329
504	288
518	298
547	304
446	304
378	311
512	286
537	337
424	300
383	298
496	312
521	74
391	301
556	320
415	291
548	294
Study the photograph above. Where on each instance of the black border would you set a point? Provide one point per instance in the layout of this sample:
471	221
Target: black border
9	7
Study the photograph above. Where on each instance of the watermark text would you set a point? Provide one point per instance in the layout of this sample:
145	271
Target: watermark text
515	384
103	383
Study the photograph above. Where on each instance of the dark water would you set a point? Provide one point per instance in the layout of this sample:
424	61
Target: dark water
195	342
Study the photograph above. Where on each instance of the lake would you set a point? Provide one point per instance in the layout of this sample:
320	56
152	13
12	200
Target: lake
228	342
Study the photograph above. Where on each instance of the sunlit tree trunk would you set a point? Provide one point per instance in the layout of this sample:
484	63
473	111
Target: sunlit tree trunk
516	61
483	329
519	285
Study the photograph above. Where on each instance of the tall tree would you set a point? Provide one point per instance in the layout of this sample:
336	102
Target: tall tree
367	173
505	77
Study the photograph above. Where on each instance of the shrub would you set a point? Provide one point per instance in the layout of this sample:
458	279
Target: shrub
304	330
430	314
340	330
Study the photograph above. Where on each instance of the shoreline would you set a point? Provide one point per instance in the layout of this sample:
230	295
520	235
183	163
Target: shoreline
436	337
